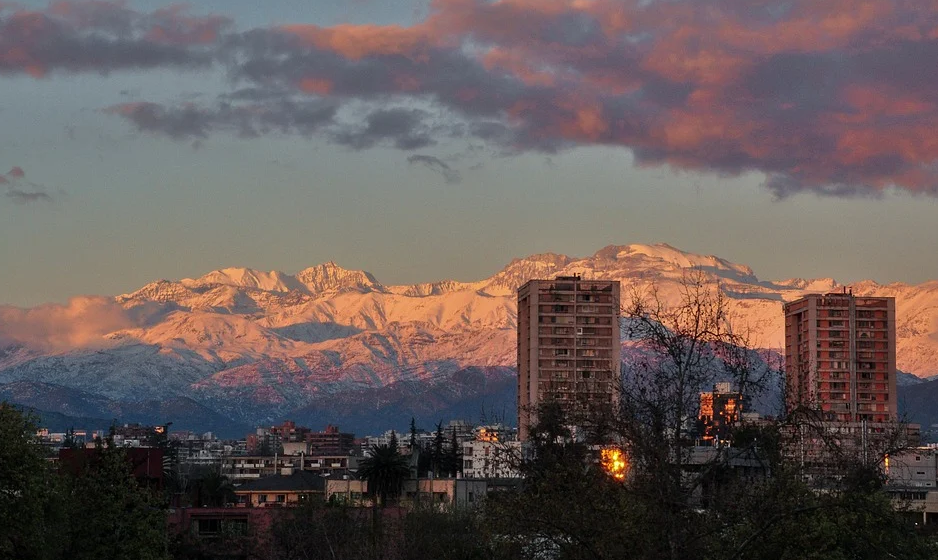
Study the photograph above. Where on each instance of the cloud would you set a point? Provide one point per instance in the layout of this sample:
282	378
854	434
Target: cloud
837	98
25	197
83	320
194	122
102	37
14	179
436	165
404	128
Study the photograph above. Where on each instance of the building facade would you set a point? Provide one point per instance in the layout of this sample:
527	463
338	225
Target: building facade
441	492
720	411
243	468
568	345
840	357
491	459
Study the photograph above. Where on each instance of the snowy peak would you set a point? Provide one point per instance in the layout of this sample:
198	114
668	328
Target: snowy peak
161	291
519	271
662	252
273	281
326	277
330	277
614	262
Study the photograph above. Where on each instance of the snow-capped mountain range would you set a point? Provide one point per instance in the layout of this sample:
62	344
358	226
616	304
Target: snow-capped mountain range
329	343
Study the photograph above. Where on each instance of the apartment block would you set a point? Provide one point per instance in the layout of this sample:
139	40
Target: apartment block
568	345
720	410
840	356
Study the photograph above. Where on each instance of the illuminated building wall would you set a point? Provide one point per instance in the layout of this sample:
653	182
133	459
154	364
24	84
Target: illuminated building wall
568	345
719	411
840	356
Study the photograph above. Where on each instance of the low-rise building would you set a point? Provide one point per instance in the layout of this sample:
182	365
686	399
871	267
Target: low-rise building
912	481
243	468
491	459
281	491
416	492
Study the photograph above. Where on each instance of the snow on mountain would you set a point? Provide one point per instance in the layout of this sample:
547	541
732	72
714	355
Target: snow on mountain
273	281
256	344
331	277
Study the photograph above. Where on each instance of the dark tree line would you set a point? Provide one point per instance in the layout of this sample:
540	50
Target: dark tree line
99	512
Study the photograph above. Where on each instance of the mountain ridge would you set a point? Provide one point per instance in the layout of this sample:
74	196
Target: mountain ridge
261	344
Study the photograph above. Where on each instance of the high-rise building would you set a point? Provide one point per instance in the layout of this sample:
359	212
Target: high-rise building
720	410
568	345
840	356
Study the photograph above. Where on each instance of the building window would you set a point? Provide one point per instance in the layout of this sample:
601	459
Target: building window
209	526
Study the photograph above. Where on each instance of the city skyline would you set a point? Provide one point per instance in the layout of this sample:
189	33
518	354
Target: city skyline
423	141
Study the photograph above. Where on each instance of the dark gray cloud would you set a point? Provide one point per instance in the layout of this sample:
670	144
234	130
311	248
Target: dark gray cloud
405	129
436	165
25	197
16	188
103	37
193	122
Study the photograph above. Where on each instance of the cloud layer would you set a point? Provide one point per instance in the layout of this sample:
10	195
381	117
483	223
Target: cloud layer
83	320
837	97
15	183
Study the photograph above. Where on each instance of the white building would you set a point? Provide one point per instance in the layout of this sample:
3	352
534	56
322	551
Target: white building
491	459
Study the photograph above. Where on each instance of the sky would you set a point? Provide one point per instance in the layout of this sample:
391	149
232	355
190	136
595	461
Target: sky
429	140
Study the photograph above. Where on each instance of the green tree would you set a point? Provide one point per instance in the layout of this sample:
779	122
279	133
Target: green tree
314	530
437	453
213	489
385	470
392	443
413	434
32	509
70	442
454	456
112	516
451	533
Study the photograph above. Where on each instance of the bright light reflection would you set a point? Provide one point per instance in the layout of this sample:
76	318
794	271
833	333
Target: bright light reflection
613	462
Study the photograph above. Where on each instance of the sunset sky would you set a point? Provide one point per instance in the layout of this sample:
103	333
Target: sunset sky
430	140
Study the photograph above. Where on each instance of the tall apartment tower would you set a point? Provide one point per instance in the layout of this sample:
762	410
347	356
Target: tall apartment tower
840	356
568	345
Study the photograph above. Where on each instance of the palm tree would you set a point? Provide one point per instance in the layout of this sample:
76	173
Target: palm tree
385	470
214	489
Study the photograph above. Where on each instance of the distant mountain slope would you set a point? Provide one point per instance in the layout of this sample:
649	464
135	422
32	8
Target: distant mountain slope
253	346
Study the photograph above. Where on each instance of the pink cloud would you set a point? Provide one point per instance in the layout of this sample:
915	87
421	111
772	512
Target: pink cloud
83	320
99	36
834	97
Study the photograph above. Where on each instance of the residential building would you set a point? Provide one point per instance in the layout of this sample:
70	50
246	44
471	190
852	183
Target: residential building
441	491
840	357
912	481
240	469
145	463
220	526
281	491
491	459
269	440
720	410
330	442
568	346
297	440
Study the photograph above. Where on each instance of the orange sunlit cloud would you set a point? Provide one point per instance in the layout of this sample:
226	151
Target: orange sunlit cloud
833	97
